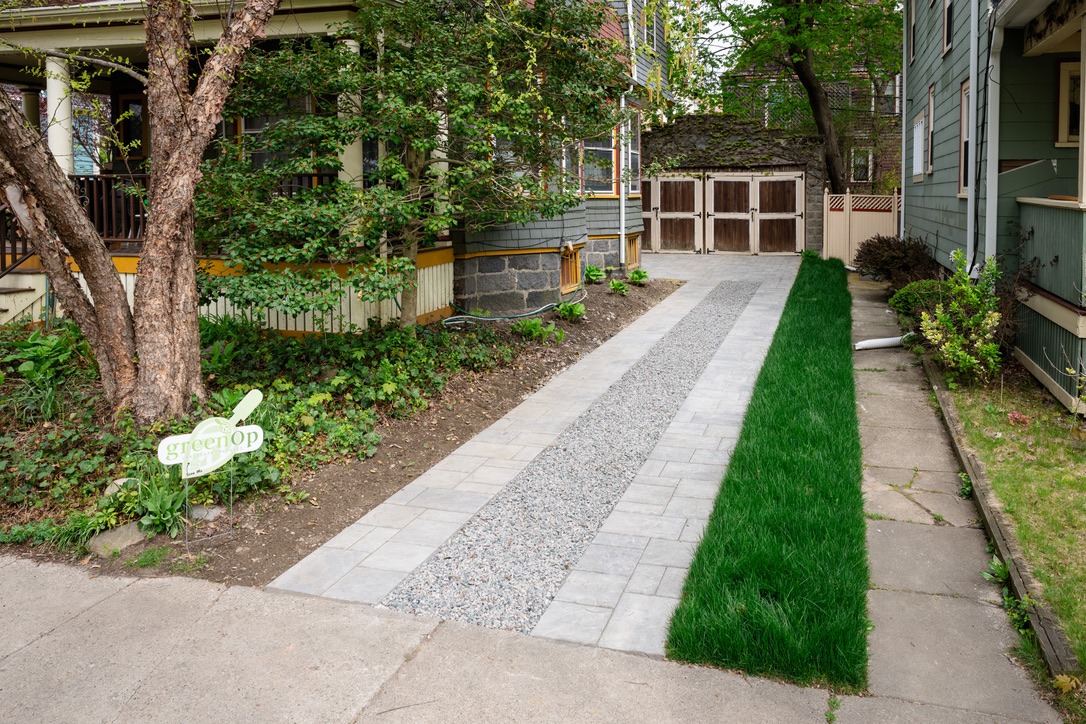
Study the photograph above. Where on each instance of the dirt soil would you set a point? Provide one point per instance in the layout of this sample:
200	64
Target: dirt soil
265	536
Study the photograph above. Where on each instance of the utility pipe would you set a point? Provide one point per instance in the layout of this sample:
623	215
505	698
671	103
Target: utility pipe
991	170
971	178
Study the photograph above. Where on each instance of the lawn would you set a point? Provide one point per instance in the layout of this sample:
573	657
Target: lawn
778	584
1035	456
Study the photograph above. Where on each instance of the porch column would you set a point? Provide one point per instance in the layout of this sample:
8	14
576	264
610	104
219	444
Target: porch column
351	156
59	98
31	109
1082	116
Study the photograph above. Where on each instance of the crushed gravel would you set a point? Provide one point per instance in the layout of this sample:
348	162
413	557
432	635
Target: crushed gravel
504	566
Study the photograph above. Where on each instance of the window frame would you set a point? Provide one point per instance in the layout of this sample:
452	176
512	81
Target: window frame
912	30
869	154
948	25
965	138
920	136
586	182
634	187
1064	139
929	158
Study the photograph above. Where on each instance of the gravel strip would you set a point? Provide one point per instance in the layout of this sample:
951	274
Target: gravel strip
506	564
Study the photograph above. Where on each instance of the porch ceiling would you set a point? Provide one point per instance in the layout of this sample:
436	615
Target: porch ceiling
1056	28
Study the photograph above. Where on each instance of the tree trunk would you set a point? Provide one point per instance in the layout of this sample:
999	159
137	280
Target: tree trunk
57	226
182	124
803	64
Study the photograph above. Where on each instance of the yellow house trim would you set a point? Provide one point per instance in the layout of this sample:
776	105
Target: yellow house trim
512	252
129	264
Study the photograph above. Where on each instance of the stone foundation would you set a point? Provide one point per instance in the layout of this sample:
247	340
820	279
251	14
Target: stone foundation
602	252
507	283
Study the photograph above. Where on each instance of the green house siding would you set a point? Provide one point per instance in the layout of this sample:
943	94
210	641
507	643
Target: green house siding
1057	242
1051	347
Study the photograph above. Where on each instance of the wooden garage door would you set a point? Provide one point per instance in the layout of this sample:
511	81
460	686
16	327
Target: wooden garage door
731	212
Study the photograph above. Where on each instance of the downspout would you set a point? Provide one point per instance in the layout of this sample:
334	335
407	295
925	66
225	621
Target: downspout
622	140
971	191
991	171
905	128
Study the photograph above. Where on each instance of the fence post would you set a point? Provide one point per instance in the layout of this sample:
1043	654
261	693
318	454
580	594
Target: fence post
825	222
848	226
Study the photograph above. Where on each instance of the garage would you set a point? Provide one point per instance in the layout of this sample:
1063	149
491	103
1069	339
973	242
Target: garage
731	187
733	212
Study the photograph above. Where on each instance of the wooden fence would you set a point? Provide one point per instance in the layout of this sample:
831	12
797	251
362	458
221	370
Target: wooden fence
850	219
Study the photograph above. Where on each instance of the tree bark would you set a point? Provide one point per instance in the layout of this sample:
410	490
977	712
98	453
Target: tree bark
182	124
802	63
57	226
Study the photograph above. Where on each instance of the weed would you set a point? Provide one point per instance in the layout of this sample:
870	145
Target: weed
875	516
570	311
593	274
965	490
872	369
618	287
832	707
149	558
164	509
639	277
189	563
34	534
997	572
939	519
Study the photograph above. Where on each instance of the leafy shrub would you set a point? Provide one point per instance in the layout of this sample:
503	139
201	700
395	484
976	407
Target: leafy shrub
532	328
619	288
164	508
570	311
593	274
962	331
897	260
917	297
639	277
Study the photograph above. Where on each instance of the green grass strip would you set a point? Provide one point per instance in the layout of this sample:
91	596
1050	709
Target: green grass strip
778	585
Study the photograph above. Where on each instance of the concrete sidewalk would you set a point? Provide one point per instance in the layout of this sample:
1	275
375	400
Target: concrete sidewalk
79	648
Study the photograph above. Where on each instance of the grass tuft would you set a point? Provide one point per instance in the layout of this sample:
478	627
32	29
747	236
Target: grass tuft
778	585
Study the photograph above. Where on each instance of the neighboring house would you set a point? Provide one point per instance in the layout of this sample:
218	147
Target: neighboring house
512	267
866	113
993	157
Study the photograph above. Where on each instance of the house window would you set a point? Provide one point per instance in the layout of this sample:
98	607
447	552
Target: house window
599	165
930	156
919	137
948	24
862	162
912	29
649	26
570	275
634	158
964	137
886	98
1070	119
133	131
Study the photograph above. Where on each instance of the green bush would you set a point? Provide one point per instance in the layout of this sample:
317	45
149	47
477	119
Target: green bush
917	297
639	277
618	287
570	311
593	274
897	260
961	332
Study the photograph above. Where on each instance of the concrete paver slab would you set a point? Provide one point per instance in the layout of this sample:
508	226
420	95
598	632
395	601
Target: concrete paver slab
35	600
941	560
950	507
893	448
332	663
886	502
499	676
949	652
865	710
88	667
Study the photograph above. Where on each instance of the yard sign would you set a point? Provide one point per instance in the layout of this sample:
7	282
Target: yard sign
214	442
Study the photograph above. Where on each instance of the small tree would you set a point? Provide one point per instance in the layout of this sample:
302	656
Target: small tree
814	43
476	107
149	359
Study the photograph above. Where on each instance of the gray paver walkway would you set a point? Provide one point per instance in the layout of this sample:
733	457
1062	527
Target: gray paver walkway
622	592
79	648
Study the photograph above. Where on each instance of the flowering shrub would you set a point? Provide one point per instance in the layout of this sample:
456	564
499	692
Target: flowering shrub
962	331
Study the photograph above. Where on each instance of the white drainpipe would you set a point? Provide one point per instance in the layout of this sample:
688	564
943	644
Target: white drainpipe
622	141
906	171
991	170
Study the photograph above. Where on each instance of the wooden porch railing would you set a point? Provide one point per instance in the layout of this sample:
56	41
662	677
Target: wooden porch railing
14	244
117	207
